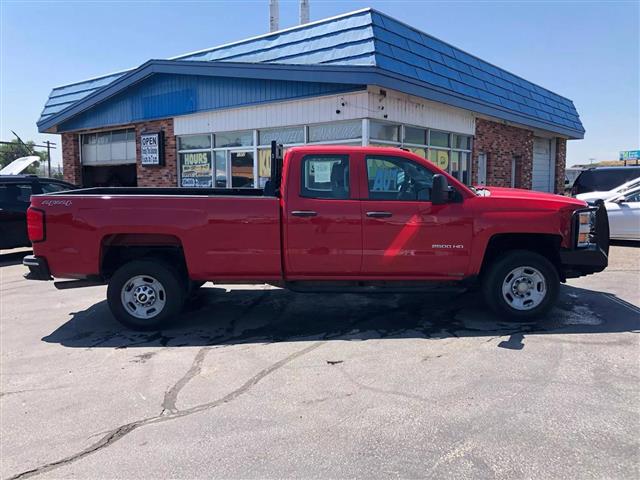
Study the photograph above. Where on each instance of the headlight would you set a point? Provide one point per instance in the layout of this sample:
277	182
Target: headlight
586	227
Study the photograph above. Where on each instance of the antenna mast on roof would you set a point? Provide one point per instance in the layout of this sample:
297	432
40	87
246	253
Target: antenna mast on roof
274	15
304	12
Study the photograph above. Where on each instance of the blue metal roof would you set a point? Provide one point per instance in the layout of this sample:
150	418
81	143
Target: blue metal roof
398	56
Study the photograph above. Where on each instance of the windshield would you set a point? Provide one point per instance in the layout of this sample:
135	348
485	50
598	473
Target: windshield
629	185
624	196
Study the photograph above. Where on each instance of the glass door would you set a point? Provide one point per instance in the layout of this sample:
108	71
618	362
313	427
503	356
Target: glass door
241	164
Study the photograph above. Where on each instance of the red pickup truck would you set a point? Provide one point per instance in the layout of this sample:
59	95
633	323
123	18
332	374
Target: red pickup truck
330	218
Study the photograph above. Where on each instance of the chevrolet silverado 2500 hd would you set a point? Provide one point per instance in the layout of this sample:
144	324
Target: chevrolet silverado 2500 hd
330	218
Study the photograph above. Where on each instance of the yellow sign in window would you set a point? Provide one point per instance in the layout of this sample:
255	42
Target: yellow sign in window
264	163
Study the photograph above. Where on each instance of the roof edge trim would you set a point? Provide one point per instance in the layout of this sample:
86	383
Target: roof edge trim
367	75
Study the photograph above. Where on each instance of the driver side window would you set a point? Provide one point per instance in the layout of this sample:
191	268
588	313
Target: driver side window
395	178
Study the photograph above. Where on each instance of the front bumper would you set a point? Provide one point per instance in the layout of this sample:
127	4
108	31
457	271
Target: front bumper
38	268
579	261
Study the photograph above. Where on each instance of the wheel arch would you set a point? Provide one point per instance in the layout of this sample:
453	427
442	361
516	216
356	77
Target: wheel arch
120	248
547	245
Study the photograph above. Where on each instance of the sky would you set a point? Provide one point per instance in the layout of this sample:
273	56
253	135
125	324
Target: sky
585	50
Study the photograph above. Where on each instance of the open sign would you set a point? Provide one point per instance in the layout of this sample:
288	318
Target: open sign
151	148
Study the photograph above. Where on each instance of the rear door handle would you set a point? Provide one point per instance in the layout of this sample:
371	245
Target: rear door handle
304	213
379	214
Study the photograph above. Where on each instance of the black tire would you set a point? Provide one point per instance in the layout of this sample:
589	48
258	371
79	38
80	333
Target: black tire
498	275
169	291
194	287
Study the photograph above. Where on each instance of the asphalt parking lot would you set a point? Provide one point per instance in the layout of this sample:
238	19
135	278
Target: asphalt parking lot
255	382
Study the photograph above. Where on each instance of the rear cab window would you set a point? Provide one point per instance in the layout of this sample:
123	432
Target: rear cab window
51	187
15	194
325	176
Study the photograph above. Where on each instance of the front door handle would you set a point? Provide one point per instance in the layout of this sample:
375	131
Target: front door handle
379	214
304	213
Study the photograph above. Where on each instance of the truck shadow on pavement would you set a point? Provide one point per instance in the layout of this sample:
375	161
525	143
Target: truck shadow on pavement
215	316
13	258
625	243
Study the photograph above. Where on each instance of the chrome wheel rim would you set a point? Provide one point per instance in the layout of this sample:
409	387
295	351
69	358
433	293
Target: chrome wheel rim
143	297
524	288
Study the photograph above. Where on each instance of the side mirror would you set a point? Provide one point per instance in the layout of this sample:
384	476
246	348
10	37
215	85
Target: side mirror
440	190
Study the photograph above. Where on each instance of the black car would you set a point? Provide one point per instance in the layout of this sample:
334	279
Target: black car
603	179
15	195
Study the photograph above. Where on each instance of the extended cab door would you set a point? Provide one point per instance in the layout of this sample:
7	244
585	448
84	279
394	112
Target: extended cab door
323	227
403	234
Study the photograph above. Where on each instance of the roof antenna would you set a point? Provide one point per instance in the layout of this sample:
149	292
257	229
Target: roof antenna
304	12
274	15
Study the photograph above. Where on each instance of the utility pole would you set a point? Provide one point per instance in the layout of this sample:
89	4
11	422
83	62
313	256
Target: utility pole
48	158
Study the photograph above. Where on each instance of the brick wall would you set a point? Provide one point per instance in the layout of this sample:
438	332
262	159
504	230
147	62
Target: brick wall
501	143
167	175
71	168
561	161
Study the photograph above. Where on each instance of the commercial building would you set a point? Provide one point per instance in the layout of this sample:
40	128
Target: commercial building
362	78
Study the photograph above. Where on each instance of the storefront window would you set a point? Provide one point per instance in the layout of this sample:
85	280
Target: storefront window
196	170
231	156
335	131
116	147
462	142
384	131
440	158
419	151
465	168
417	136
438	139
385	145
194	142
234	139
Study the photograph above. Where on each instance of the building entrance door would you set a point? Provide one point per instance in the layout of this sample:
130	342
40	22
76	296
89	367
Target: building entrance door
234	168
241	164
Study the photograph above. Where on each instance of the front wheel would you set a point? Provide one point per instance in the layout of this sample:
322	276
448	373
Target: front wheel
521	285
145	294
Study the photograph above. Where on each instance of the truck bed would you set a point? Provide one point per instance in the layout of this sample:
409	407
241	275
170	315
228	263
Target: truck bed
173	191
224	233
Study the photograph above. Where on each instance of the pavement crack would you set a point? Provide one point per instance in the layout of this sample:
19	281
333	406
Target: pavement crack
171	395
383	391
118	433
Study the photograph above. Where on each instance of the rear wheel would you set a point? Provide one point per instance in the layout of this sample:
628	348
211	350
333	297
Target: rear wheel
521	285
145	294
